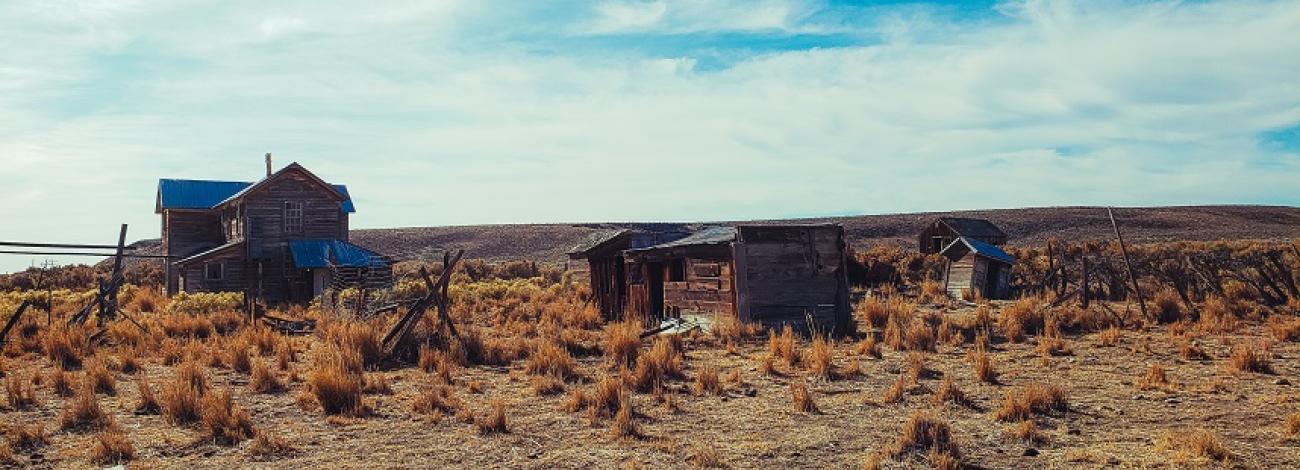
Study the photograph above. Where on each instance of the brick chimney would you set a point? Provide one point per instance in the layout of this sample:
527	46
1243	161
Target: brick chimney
268	164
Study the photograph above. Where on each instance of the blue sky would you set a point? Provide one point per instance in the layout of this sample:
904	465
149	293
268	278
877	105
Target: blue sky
467	111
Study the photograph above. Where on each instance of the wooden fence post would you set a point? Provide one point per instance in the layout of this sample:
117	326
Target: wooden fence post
1129	265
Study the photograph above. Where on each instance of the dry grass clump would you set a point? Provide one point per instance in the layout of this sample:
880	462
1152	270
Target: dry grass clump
783	346
706	457
1027	432
19	392
128	362
1189	350
983	363
182	398
100	378
61	382
360	337
802	398
148	403
1247	357
621	343
494	422
237	357
226	424
1292	424
436	401
438	362
1284	328
1167	306
662	362
263	380
1021	318
545	385
1030	399
606	397
869	346
707	381
948	392
873	311
27	438
928	435
1194	444
624	425
933	292
1155	378
267	445
821	358
83	412
1110	336
376	384
549	358
337	381
1216	316
767	365
111	447
65	346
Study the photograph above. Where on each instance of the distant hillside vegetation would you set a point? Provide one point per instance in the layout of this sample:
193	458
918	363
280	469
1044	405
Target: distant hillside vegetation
1033	226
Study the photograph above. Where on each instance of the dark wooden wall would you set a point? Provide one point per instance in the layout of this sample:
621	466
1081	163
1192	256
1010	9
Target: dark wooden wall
235	276
788	275
607	285
972	273
186	233
706	288
267	240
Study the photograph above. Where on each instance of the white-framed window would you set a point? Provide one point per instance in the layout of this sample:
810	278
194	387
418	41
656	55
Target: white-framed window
292	216
214	270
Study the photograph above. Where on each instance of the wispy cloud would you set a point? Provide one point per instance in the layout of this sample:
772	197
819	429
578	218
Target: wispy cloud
532	111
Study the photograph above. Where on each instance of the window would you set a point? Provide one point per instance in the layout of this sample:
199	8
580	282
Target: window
292	216
677	270
214	271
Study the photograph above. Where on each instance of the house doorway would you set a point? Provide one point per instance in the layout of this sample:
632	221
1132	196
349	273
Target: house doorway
655	271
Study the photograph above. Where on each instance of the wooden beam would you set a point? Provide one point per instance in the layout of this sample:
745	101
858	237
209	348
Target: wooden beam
1129	265
79	253
13	320
60	245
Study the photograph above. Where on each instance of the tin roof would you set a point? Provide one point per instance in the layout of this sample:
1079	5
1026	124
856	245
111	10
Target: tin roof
979	248
206	194
969	227
707	236
323	253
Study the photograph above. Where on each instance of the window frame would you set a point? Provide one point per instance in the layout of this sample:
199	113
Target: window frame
207	270
293	216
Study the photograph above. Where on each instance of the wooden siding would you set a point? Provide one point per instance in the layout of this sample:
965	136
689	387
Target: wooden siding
186	233
788	275
960	274
706	289
972	273
234	276
607	285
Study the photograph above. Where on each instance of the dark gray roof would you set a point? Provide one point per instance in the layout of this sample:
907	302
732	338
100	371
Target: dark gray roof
596	239
978	228
707	236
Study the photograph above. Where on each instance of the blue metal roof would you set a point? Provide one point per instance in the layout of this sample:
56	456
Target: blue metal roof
983	249
323	253
203	194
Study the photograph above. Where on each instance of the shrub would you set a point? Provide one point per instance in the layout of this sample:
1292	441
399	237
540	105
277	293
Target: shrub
27	438
226	424
494	422
1248	357
1194	444
263	380
1168	306
111	447
926	434
1021	318
204	303
802	398
919	336
622	343
1217	316
1027	431
182	397
821	355
706	381
550	358
1110	336
83	412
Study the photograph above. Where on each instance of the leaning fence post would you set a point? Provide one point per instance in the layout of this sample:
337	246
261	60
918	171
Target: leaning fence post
1129	265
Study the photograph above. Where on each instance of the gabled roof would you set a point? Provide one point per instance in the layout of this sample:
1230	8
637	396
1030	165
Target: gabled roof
626	239
323	253
978	228
979	248
206	194
274	176
597	240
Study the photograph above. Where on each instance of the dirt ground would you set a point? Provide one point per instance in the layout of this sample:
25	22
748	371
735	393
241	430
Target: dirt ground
1110	422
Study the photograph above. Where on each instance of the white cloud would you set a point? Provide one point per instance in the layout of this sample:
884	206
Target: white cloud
1058	103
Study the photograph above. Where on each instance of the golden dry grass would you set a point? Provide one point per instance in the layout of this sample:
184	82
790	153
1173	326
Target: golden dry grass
111	447
1194	444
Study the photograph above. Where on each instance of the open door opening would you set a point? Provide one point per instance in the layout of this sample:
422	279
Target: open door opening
656	279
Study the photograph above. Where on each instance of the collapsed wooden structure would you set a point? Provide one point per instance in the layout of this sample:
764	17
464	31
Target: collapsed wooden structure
977	269
943	231
770	275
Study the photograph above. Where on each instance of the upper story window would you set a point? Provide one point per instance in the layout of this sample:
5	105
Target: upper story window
293	216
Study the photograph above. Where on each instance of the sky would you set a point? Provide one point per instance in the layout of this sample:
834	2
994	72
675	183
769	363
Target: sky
470	111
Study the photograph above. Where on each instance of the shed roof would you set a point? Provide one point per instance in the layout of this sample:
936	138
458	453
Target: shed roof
979	248
969	227
707	236
209	252
208	194
323	253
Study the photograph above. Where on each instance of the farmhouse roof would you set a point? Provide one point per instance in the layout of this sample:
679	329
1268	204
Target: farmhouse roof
208	194
979	248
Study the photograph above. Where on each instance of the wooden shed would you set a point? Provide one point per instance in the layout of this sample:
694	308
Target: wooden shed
771	275
944	230
977	267
603	251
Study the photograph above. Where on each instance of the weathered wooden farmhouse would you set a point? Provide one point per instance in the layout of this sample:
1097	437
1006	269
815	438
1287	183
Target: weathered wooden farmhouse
283	238
766	274
977	268
945	230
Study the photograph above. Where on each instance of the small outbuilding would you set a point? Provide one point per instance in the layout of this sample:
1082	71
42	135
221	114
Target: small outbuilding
976	267
943	231
770	275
